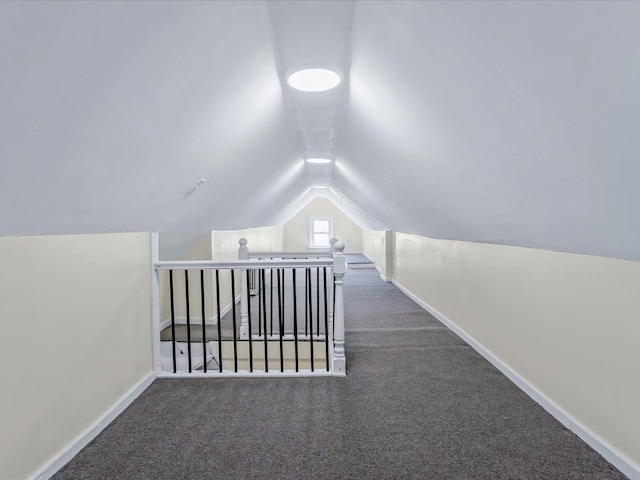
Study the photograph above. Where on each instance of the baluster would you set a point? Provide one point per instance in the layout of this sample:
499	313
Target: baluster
295	318
306	303
318	301
280	321
260	292
250	340
339	269
310	317
264	309
173	323
233	308
204	332
219	320
326	319
186	292
271	301
243	254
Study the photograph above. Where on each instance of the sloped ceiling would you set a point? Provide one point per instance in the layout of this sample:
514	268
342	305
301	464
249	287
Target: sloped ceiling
500	122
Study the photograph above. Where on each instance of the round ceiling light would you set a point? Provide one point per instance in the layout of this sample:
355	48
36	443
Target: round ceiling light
314	80
319	161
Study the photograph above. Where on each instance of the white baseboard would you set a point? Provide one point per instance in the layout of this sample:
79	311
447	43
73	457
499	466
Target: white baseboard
368	257
612	455
92	432
378	269
247	374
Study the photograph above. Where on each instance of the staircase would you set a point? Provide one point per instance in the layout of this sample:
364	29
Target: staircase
358	260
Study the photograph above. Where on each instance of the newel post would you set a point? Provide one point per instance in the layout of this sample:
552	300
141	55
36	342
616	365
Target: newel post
243	254
339	269
332	242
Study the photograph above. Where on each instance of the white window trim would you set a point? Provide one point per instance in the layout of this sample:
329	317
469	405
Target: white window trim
311	220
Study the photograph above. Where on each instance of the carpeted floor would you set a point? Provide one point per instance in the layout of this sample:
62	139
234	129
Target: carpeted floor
358	260
417	403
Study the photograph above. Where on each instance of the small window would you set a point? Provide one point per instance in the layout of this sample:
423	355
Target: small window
320	232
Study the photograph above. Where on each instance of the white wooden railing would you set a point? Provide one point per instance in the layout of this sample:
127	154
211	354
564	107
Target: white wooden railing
215	345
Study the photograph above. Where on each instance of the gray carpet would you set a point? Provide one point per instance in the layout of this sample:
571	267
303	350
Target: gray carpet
356	258
418	403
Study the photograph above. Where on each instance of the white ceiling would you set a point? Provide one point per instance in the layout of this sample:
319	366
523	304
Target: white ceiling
499	122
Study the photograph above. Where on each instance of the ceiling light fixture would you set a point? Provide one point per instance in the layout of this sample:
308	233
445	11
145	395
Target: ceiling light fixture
318	161
314	80
195	187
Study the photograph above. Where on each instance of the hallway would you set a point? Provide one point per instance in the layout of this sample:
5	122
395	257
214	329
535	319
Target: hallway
417	402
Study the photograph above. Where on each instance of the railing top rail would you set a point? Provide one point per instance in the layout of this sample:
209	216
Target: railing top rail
206	265
301	254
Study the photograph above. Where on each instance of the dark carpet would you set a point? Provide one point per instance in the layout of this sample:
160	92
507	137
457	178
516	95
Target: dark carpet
417	403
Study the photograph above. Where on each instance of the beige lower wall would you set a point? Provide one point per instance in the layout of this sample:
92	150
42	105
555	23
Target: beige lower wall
262	239
567	324
76	319
200	251
296	230
374	245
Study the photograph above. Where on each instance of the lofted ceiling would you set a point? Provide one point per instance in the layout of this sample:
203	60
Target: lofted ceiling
500	122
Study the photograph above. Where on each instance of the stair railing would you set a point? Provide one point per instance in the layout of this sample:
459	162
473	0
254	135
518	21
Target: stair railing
285	340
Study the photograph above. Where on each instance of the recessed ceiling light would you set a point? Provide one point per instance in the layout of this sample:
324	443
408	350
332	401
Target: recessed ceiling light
314	80
319	186
319	161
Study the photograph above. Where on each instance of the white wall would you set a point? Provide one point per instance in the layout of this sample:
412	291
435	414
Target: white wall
76	315
567	324
296	230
